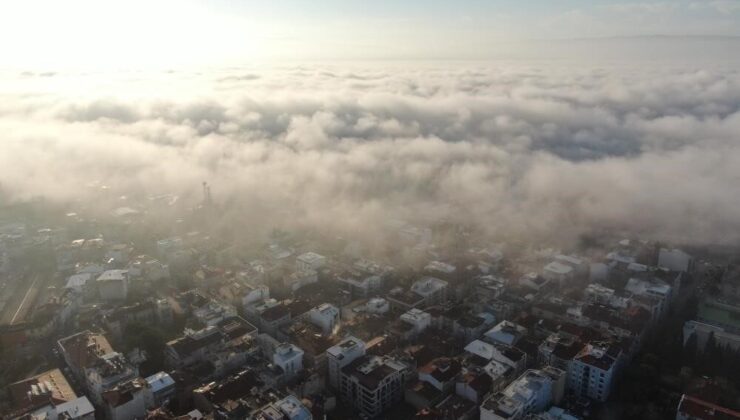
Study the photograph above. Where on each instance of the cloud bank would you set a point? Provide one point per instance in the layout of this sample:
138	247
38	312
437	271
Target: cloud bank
538	151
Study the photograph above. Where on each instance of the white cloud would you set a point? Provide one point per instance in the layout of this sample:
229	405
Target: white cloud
542	152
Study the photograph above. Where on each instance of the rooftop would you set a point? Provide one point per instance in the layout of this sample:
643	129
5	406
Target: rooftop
696	408
48	387
558	268
345	346
370	371
84	348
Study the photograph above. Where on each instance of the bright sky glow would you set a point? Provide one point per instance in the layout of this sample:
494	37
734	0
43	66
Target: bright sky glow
104	34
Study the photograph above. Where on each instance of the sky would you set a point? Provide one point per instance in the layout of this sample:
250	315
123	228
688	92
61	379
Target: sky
540	119
106	34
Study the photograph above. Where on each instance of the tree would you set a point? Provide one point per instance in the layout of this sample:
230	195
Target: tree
151	340
690	351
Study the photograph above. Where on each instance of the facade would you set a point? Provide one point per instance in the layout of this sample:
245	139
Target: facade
593	370
533	392
373	384
326	317
675	260
418	319
193	347
82	350
77	409
360	283
342	354
113	285
431	289
288	408
214	312
505	332
108	372
161	389
310	261
289	358
126	401
300	278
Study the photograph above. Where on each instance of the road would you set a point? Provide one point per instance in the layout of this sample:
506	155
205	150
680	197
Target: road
22	300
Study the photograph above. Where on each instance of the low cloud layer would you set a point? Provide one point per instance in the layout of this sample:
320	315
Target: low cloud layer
540	151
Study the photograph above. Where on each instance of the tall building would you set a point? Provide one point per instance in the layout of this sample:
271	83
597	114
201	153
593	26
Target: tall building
339	356
592	371
373	384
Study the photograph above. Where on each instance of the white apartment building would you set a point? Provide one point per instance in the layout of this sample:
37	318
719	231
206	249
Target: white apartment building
289	358
110	370
592	371
326	317
533	392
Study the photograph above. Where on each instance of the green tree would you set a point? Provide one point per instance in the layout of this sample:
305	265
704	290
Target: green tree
150	339
690	350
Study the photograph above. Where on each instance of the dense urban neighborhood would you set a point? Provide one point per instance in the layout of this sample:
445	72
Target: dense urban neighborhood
107	315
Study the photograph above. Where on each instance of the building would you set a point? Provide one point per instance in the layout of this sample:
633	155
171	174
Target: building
431	289
720	318
505	332
193	346
341	355
501	360
533	392
558	272
361	283
377	306
653	289
692	408
126	401
77	409
47	388
675	260
288	408
326	317
113	285
161	389
255	294
82	349
300	278
235	397
108	372
145	313
289	358
593	370
490	287
272	317
373	384
418	319
310	261
214	312
441	373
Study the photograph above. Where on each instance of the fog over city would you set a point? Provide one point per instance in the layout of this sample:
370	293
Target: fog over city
544	150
